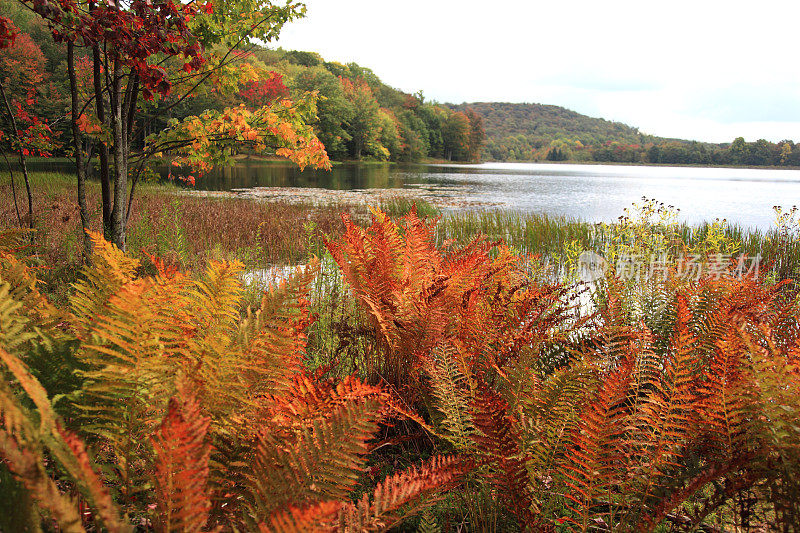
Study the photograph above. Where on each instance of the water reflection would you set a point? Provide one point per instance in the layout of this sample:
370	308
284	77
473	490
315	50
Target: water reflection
276	174
590	192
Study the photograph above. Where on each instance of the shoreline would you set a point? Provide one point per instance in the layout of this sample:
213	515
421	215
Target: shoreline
441	197
246	158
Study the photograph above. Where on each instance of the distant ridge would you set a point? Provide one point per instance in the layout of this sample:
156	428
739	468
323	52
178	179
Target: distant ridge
527	131
504	119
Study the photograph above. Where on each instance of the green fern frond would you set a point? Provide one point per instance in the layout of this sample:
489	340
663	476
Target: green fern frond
453	396
428	523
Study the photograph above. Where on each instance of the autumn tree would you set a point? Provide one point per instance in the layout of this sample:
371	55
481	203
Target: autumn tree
21	76
456	136
390	137
364	125
147	50
477	135
263	91
334	111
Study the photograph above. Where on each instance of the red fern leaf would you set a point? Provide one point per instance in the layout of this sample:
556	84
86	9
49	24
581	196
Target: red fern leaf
499	442
414	487
181	472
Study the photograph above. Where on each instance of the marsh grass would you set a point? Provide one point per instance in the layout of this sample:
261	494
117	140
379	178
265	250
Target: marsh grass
398	206
551	236
185	231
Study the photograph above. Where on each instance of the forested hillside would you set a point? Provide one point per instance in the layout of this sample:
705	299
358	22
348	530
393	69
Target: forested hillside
504	119
534	132
352	112
360	116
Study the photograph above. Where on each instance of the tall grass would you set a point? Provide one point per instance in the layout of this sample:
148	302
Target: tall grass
187	230
550	236
397	206
183	230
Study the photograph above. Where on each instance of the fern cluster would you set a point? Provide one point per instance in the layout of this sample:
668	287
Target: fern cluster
181	412
615	421
188	415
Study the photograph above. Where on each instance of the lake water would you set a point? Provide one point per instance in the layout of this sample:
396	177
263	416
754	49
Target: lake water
594	193
589	192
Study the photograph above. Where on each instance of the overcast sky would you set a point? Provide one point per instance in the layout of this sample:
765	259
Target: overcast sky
701	69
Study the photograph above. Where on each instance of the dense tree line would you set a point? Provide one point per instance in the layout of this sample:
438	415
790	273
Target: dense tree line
535	132
357	115
361	117
738	153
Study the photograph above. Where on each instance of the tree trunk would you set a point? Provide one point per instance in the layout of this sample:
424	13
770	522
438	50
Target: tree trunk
13	190
22	161
105	177
131	98
79	167
120	166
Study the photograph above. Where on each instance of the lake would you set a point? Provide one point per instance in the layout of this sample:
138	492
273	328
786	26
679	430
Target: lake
594	193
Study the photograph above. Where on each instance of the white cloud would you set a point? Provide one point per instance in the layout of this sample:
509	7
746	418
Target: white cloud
707	70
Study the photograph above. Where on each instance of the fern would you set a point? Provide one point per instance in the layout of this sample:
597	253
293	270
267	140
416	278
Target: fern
402	495
314	447
452	392
428	524
597	448
28	467
498	441
665	419
319	518
24	438
181	459
192	412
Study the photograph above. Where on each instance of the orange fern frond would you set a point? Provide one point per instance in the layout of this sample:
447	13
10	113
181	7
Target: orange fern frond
498	441
181	467
412	488
322	517
591	466
311	399
314	446
273	338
